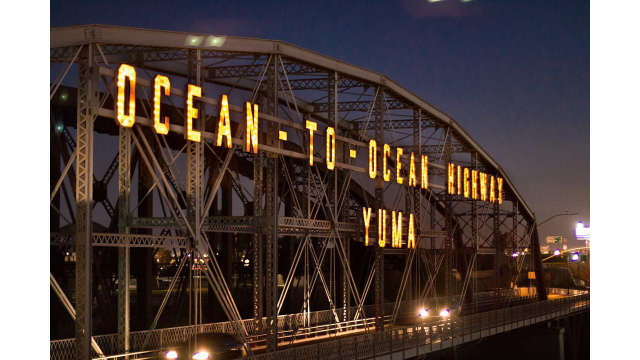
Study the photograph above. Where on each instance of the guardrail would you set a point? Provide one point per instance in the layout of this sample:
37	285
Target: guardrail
321	322
64	349
408	342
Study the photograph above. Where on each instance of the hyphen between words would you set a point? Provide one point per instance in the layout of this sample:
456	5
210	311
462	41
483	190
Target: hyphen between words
464	182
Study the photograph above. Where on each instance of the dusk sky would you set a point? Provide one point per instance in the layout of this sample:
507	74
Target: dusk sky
514	74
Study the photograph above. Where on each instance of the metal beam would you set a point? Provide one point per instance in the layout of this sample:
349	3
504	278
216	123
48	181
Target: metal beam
86	113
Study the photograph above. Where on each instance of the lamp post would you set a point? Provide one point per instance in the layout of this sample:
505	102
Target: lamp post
566	213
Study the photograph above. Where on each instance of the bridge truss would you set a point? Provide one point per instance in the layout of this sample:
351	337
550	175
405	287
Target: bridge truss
257	240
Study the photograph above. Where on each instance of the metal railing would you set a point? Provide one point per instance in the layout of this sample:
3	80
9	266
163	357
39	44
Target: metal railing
407	342
323	323
154	339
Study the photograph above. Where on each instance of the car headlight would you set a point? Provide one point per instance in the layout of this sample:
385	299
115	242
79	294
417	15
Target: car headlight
200	355
171	355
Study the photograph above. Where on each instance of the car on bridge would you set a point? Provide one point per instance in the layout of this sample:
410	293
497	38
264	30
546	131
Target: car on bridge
205	347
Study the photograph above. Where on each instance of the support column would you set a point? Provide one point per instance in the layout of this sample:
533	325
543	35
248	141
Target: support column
474	225
195	176
499	246
87	103
271	218
379	194
257	238
143	258
448	242
541	289
417	199
332	99
124	189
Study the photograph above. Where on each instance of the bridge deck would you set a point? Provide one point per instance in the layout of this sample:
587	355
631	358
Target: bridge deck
357	340
407	342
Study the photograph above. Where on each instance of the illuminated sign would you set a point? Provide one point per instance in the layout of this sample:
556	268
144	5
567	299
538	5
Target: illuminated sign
462	182
582	232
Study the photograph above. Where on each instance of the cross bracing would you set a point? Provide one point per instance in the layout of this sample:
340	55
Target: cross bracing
251	224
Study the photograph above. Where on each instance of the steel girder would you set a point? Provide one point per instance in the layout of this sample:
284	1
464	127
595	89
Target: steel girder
330	195
87	104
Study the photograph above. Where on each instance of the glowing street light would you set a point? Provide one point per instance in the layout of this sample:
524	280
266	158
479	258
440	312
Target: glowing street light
515	254
171	355
556	252
201	355
575	256
423	313
445	312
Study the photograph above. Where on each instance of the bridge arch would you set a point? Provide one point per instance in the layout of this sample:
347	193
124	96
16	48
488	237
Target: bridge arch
299	228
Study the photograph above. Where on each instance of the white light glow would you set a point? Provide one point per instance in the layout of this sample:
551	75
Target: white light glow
582	232
200	355
171	354
556	252
445	313
423	313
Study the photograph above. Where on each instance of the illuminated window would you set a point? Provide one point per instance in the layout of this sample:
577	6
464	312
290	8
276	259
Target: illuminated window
412	171
282	135
466	182
396	229
424	172
224	126
451	179
373	168
312	126
399	178
483	186
411	236
382	227
126	71
366	214
192	113
492	195
474	184
500	190
160	82
331	148
251	134
352	153
386	173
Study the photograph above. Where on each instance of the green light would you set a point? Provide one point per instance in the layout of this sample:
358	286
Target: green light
64	97
59	127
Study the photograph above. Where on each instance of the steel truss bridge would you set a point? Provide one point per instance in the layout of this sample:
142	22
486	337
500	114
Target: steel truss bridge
263	246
